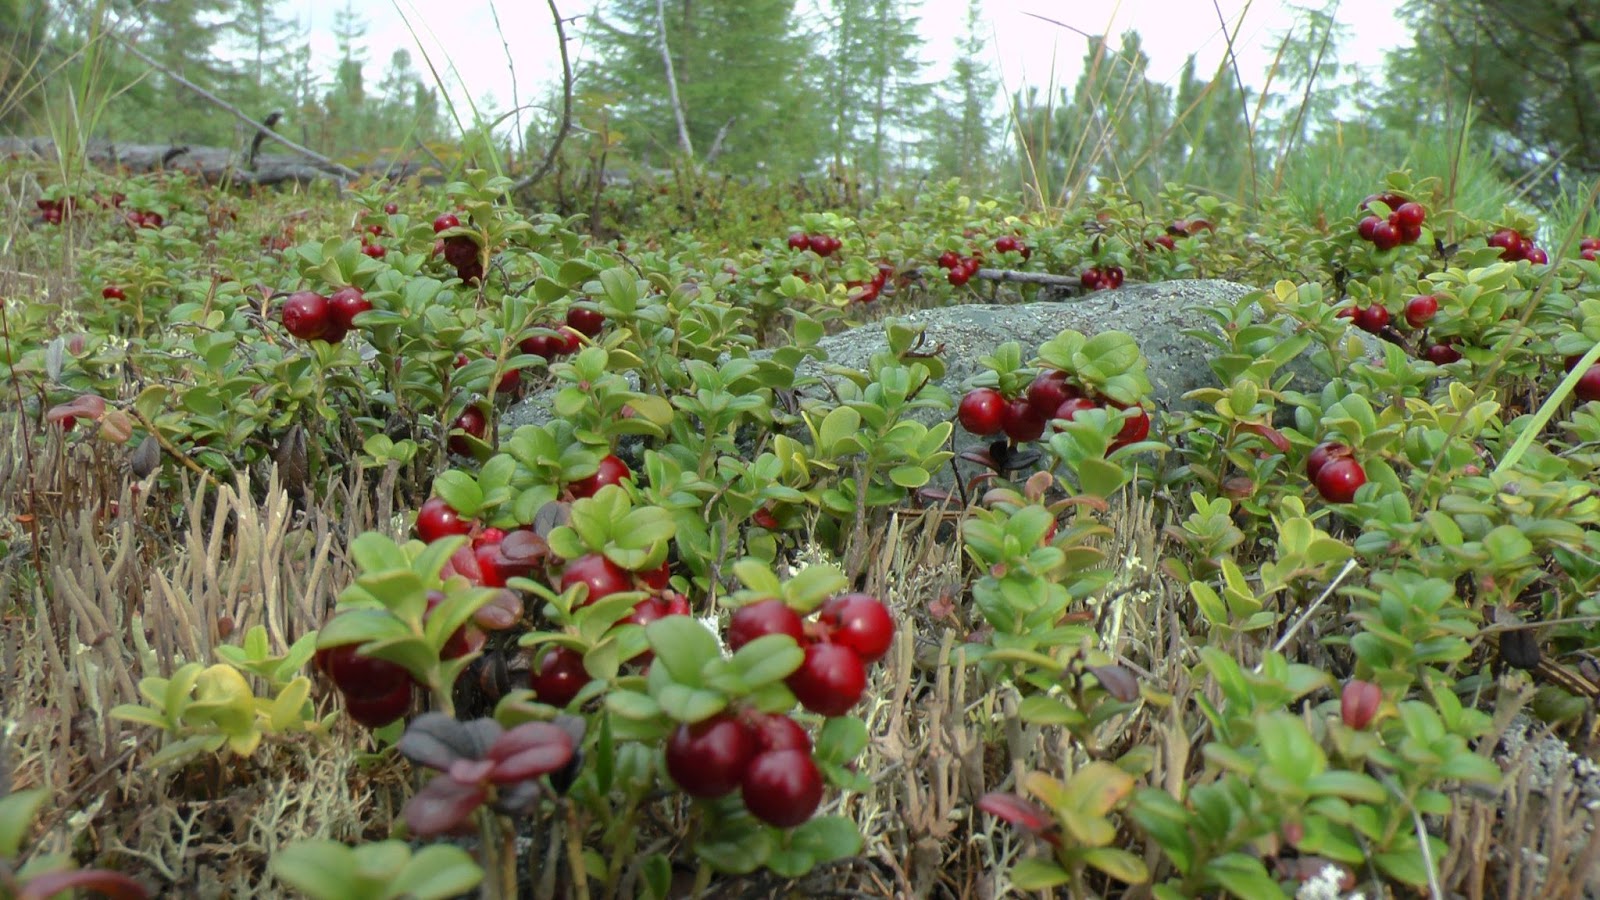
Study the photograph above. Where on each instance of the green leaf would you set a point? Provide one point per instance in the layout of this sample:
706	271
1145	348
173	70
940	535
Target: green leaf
374	552
841	739
436	872
1243	875
17	810
1039	709
1118	863
1038	874
768	658
827	838
1349	785
687	704
657	876
682	646
319	868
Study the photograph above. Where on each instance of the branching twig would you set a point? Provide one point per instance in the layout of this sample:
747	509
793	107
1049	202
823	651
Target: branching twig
566	107
307	152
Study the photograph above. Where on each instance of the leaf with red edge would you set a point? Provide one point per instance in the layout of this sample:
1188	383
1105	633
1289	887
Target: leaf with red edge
444	805
1018	813
437	739
1272	435
105	882
528	751
501	612
85	406
470	771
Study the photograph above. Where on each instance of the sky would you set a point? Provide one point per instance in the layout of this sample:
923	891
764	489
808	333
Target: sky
1024	50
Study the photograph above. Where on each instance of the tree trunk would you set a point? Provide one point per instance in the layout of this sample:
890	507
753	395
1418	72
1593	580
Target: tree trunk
684	143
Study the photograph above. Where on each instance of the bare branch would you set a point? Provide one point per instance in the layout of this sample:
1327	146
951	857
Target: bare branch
684	143
566	108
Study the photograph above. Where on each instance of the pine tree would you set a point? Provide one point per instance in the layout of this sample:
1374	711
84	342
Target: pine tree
739	71
871	75
263	38
23	47
961	124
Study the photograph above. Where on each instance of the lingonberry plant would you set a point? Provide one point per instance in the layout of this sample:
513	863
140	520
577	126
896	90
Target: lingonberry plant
642	585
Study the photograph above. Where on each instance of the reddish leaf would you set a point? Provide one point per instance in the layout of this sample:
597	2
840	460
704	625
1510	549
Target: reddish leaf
1272	435
1118	682
470	771
115	885
1016	811
501	612
86	406
437	740
528	751
444	805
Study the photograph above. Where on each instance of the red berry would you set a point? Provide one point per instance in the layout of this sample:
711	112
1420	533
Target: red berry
1536	256
761	619
1112	276
982	411
602	576
1510	243
1441	354
799	241
587	322
1408	215
1165	242
378	711
1385	236
708	759
971	265
775	732
1589	253
1005	244
1070	408
1409	233
446	220
1134	429
1365	228
821	244
1359	702
860	622
1049	389
1373	319
1421	310
473	422
345	304
1588	386
548	346
458	644
782	788
461	251
1322	454
391	208
1020	422
111	292
1338	479
958	276
1589	243
436	519
306	315
830	681
949	260
558	676
1092	279
612	471
657	579
356	675
376	251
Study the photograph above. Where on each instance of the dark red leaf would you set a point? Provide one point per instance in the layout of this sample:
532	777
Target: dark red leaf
471	771
115	885
437	740
528	751
444	805
1016	811
1118	682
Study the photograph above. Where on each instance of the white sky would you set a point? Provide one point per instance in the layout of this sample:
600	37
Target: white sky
1022	49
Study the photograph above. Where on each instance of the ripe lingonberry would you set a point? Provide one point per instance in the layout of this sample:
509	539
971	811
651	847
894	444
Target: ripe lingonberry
782	787
860	622
830	681
708	759
763	618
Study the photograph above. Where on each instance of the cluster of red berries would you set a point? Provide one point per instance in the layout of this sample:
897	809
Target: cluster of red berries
460	251
1375	318
820	244
54	212
851	632
580	323
1589	248
310	316
1514	246
1051	396
961	268
144	219
376	691
1332	467
1403	226
1010	243
1097	278
868	291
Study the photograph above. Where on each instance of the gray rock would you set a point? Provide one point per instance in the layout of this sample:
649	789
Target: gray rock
1157	316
